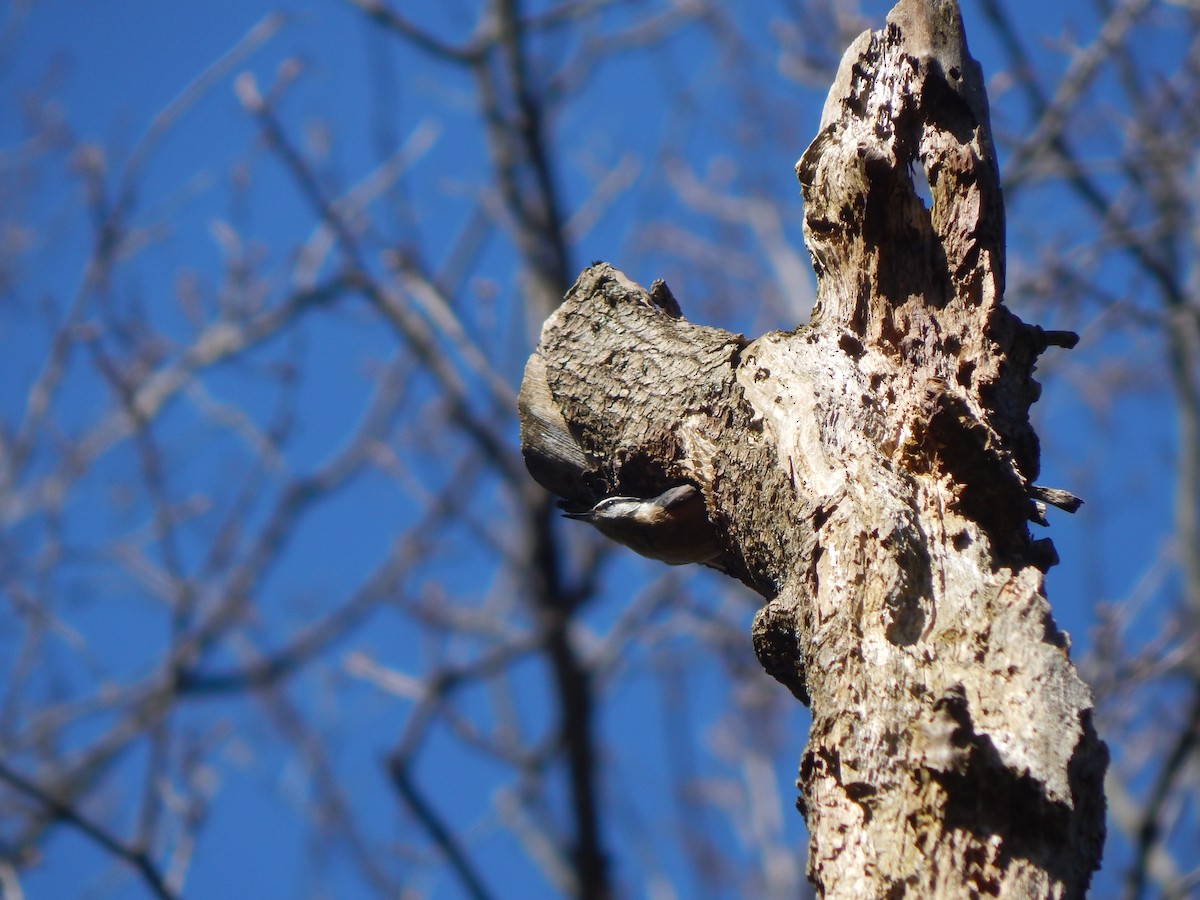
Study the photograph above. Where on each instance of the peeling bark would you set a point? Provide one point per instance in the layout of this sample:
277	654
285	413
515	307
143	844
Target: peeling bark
872	476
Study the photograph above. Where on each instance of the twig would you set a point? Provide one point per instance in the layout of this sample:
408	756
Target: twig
139	859
1173	766
438	831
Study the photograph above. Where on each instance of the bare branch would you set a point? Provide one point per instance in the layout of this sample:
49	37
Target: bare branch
66	812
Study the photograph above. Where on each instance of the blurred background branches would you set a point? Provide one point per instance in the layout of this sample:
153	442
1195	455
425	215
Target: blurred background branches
280	609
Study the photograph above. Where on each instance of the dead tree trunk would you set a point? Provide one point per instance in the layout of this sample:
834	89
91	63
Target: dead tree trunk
872	475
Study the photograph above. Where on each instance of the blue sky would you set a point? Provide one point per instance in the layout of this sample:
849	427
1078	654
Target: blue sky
112	66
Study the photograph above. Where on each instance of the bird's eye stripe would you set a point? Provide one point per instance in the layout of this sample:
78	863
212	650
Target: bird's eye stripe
611	501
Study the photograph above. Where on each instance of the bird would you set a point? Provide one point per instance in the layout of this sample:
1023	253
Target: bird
672	527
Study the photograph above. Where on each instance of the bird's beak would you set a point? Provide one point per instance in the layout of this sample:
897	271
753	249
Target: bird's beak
569	513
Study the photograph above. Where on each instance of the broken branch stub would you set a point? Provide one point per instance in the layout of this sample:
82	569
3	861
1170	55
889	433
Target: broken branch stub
872	476
625	397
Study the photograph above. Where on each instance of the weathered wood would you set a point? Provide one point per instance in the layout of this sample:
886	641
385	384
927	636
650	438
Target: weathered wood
871	475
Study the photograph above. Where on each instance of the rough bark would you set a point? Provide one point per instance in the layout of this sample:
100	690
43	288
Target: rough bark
871	475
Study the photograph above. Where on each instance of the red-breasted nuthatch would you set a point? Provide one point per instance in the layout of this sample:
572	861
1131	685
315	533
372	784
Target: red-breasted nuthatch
672	527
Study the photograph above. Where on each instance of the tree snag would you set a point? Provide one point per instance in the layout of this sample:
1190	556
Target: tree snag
872	475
